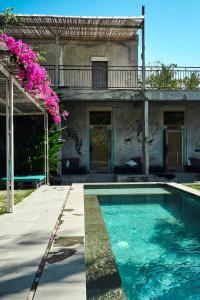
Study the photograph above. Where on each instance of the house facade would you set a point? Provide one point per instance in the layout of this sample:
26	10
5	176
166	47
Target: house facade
119	111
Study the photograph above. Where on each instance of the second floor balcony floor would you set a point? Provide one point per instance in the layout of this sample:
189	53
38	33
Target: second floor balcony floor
101	76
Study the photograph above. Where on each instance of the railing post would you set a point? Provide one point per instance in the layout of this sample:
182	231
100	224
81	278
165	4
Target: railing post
145	112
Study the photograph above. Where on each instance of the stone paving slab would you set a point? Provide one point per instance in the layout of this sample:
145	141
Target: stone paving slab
24	237
64	274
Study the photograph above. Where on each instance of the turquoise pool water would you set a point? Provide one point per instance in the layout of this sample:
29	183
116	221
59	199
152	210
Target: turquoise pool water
155	238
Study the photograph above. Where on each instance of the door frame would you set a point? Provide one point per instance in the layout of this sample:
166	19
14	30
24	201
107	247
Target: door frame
182	146
183	128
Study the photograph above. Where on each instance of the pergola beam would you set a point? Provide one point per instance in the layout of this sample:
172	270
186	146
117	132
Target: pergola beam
2	101
20	88
10	145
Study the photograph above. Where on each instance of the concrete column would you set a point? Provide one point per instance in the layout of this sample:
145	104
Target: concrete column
145	111
145	137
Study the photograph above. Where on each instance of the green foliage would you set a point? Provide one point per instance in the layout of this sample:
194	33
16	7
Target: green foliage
35	146
9	18
42	54
192	82
163	77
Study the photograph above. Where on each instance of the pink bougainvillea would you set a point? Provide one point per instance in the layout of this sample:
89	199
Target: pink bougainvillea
32	76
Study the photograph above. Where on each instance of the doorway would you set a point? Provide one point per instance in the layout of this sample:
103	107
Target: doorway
174	149
99	74
100	149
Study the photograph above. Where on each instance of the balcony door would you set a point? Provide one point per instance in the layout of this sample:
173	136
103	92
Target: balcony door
99	74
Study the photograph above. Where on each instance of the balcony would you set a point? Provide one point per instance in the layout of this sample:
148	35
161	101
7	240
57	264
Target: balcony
125	77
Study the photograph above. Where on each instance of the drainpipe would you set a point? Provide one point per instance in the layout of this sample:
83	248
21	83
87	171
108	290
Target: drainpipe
145	110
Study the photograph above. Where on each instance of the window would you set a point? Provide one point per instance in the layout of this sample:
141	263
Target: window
174	118
100	117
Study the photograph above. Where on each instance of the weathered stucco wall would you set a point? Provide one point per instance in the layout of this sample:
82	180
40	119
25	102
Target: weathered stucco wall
118	53
193	131
126	126
122	53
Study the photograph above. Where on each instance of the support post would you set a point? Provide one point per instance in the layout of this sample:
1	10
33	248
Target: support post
9	145
59	164
145	111
59	168
57	58
46	149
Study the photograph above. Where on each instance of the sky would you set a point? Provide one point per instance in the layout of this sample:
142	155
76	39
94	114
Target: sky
172	26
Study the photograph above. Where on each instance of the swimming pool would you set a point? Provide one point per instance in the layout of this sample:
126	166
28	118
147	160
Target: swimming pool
155	237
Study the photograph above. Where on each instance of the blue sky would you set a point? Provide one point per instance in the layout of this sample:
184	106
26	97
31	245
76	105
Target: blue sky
172	26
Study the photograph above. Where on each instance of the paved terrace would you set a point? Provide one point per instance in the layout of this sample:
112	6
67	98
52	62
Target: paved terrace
42	242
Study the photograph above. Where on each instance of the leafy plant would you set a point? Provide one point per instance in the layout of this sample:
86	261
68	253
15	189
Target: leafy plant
192	82
33	151
163	77
9	18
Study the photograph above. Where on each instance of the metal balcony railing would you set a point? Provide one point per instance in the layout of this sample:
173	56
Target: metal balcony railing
126	77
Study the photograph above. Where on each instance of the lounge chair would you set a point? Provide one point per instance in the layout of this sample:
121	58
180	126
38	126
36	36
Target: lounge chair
25	181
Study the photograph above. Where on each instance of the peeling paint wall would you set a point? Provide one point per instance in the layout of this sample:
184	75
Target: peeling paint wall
127	135
125	142
119	53
193	131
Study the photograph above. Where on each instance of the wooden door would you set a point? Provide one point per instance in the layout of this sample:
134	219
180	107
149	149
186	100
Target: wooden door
100	149
99	74
174	149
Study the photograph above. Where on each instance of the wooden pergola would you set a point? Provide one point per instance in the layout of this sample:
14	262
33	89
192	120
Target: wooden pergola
68	27
14	100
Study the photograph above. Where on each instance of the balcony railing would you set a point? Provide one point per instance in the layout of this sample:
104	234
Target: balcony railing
125	77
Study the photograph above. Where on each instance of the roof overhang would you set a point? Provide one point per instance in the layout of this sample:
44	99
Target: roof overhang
68	27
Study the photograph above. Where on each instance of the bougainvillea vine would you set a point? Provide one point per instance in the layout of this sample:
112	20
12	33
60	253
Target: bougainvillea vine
32	76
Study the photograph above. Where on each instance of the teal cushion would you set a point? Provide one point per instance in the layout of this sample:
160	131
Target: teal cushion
26	178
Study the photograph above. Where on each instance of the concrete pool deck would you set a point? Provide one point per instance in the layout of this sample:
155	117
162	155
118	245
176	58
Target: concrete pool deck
25	236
